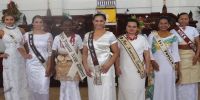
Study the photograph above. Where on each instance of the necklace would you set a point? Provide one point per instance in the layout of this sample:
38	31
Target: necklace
131	37
11	27
11	35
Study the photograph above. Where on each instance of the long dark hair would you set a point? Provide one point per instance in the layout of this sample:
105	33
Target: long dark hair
136	21
64	20
183	13
133	20
99	14
166	18
36	16
8	14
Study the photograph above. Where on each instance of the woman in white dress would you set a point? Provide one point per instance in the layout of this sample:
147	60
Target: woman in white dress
38	73
189	66
131	85
164	81
14	76
104	42
69	88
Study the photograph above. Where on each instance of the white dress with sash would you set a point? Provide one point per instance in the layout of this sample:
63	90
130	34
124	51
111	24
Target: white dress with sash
107	90
164	82
131	86
14	71
69	89
38	83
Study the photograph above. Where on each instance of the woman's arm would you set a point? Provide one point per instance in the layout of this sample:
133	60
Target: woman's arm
49	60
49	67
23	52
115	51
117	63
147	60
84	59
1	34
53	63
178	72
197	53
26	47
22	47
4	55
177	59
117	66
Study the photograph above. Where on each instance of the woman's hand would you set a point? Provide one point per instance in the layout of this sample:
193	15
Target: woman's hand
5	55
88	71
105	68
178	77
149	70
48	72
178	72
27	56
155	65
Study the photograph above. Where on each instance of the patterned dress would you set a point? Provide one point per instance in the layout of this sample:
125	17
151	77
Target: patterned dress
69	88
14	71
164	81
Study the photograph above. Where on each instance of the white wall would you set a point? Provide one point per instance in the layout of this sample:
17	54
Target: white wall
28	7
78	7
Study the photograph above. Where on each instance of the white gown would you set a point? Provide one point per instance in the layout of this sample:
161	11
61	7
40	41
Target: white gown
107	90
69	90
164	82
131	86
14	72
38	83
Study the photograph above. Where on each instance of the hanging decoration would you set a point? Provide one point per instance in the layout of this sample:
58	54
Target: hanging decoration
107	7
164	9
48	8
